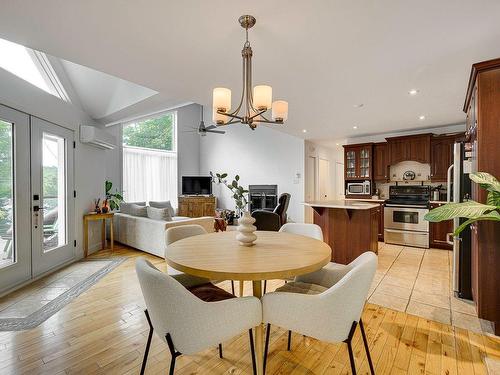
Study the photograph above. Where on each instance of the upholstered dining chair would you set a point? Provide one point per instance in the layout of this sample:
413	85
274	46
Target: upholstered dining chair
181	316
326	304
303	229
178	233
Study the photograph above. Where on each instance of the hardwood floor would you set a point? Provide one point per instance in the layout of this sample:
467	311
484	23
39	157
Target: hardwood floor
104	332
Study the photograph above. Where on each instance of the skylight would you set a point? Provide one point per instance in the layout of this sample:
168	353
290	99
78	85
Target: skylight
32	66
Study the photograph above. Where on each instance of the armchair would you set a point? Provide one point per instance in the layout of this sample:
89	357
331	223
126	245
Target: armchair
272	221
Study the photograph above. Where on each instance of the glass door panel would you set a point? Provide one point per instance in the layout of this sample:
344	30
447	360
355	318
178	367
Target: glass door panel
15	244
7	203
53	192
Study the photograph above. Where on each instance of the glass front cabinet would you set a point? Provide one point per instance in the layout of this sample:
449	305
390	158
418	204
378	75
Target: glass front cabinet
358	161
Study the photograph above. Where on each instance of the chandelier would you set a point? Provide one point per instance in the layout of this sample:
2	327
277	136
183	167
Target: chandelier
253	103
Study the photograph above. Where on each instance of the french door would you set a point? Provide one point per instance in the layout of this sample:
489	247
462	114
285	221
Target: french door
36	197
52	195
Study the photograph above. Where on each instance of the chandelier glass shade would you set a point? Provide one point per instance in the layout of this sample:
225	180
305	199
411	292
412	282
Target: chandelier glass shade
254	102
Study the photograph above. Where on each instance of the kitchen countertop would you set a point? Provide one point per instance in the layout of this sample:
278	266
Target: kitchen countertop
345	204
365	199
438	202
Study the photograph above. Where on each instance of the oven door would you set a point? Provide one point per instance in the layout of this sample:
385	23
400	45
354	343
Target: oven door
355	188
406	218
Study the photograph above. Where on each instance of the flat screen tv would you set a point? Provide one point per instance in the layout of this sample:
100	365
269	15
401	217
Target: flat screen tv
196	185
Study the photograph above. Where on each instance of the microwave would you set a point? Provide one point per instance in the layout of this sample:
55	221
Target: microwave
358	188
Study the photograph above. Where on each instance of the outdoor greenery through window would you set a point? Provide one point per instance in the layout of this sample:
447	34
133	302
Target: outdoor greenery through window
150	159
7	253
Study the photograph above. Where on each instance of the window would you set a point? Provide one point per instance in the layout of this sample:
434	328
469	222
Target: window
150	159
32	66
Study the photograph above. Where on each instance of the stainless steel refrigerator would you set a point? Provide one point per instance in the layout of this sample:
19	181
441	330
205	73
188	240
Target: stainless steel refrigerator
459	190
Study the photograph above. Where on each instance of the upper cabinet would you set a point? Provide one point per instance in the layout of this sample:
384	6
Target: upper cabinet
442	154
358	160
380	162
410	148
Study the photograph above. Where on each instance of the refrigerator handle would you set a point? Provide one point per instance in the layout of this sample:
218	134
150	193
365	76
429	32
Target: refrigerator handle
448	236
448	184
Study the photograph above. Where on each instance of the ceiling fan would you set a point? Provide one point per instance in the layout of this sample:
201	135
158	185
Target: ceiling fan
203	130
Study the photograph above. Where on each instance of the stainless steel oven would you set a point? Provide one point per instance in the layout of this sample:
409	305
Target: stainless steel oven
404	212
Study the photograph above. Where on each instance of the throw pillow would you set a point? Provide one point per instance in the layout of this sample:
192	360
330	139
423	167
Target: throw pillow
159	213
125	206
164	204
136	210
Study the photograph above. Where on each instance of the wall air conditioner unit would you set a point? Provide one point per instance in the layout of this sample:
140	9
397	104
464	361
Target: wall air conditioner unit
97	137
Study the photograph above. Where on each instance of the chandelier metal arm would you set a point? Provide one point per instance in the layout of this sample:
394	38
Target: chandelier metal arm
230	115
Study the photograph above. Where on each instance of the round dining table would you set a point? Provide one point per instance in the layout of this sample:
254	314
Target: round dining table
275	255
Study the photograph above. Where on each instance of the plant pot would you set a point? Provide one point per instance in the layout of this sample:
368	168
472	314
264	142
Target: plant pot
246	229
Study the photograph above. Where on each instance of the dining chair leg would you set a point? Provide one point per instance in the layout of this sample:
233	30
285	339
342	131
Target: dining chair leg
266	346
348	341
289	345
174	353
265	286
220	351
148	343
252	351
367	349
232	287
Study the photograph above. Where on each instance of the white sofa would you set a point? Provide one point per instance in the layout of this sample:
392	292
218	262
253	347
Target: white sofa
148	234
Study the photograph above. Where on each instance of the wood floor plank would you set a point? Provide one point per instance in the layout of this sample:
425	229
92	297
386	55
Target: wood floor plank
104	331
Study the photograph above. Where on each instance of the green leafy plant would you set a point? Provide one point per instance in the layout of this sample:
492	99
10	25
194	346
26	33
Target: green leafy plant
471	210
114	199
239	193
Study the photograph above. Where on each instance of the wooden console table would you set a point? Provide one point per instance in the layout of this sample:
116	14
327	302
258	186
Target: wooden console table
95	217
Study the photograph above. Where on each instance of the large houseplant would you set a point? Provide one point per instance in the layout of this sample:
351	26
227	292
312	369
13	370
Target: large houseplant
238	192
471	210
113	199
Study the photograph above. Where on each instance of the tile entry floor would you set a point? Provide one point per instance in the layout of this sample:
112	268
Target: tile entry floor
419	282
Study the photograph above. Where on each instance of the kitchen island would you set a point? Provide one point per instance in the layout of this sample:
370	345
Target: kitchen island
349	227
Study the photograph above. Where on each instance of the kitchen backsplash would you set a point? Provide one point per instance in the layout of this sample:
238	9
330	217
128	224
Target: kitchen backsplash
422	171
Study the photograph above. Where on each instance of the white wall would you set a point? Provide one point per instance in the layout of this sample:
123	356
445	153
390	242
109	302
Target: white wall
89	172
263	156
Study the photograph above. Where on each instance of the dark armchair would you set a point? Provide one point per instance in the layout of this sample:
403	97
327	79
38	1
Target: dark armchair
272	221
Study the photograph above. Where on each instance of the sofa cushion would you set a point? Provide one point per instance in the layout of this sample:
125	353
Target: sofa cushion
125	206
136	210
159	213
302	288
210	293
163	204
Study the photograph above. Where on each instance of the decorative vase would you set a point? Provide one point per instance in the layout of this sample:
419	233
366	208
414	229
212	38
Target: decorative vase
246	229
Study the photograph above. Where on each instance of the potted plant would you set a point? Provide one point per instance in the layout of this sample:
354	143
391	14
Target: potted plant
246	229
113	199
471	210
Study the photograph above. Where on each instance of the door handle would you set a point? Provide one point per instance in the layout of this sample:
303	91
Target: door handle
38	208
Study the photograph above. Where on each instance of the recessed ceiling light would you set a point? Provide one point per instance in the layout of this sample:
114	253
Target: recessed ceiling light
304	131
358	105
354	127
413	92
421	117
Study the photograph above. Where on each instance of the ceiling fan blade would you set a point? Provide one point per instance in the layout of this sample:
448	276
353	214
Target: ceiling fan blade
211	127
216	131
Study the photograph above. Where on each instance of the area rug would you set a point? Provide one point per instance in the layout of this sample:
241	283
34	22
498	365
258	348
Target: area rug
85	275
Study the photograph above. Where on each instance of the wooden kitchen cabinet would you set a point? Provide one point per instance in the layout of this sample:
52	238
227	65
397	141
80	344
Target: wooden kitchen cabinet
410	147
442	154
197	206
439	231
380	162
358	161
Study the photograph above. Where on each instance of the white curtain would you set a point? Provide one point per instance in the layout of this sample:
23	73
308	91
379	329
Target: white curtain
149	175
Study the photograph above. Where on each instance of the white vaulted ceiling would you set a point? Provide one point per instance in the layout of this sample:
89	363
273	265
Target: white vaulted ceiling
324	57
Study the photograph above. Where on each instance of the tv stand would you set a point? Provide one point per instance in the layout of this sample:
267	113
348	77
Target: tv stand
197	205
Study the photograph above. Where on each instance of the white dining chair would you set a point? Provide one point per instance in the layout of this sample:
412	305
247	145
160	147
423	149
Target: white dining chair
180	232
302	229
187	323
327	306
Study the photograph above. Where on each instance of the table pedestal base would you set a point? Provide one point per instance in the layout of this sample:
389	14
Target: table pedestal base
259	332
